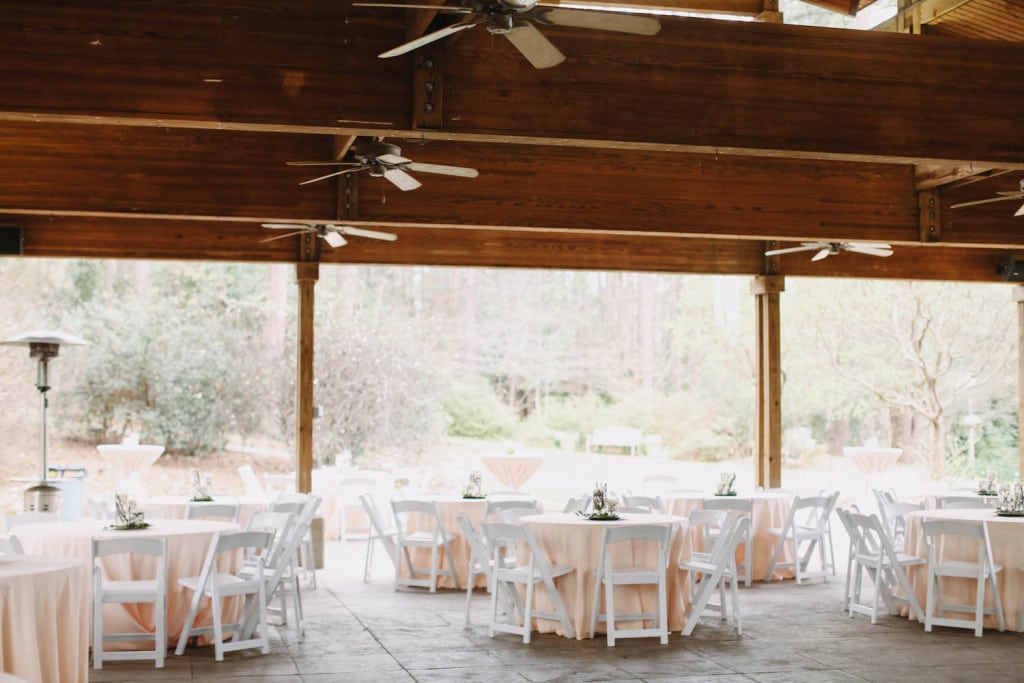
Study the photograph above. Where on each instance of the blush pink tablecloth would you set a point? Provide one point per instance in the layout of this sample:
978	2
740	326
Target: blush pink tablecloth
449	508
1006	535
770	511
513	470
187	543
44	619
569	540
873	460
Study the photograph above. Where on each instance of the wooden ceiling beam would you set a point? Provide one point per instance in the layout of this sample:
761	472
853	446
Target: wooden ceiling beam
698	86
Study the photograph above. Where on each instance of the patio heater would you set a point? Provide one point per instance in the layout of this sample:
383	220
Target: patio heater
44	347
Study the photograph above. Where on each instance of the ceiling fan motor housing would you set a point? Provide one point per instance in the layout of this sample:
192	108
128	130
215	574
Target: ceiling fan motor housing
365	151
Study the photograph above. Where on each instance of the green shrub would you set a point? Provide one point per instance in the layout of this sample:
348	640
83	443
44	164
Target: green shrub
474	410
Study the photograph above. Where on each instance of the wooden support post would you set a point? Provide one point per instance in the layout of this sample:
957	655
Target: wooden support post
766	289
306	275
1018	296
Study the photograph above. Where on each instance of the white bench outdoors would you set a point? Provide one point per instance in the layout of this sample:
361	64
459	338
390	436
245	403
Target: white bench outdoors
629	438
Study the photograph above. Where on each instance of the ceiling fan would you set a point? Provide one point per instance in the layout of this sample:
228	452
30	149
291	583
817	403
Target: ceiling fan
332	233
511	18
826	249
383	160
1003	197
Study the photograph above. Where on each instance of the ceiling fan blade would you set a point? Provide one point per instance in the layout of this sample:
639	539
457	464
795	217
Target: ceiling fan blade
1011	195
1020	211
322	163
393	159
287	234
398	5
807	246
428	38
286	226
597	19
402	180
372	234
460	171
872	248
537	49
823	253
334	238
331	175
870	252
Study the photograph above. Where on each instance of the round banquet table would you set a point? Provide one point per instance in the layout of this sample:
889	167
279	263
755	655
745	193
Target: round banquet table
572	541
1006	535
44	619
188	541
449	508
176	507
513	470
770	511
871	460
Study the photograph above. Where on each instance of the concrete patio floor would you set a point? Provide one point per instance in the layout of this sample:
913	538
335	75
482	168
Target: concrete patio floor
362	633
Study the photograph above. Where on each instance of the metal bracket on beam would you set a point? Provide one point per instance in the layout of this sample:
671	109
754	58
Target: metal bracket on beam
428	84
928	215
348	198
771	263
309	249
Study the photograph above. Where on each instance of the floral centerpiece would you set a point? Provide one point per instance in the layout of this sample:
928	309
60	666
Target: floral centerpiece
201	487
1011	500
989	486
725	484
602	504
474	489
126	513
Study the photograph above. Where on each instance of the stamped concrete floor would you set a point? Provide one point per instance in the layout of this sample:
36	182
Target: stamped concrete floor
358	633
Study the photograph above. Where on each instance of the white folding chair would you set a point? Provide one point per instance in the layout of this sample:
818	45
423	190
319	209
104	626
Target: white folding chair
574	505
480	562
853	534
982	569
744	507
493	507
513	515
960	502
893	517
252	484
23	518
217	585
100	508
282	525
875	556
708	525
649	503
505	540
350	489
716	569
10	545
434	538
298	504
379	533
810	530
611	574
221	511
130	590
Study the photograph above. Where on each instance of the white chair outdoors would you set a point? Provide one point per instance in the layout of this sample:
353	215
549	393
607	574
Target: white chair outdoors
875	556
216	586
745	507
853	534
278	523
709	524
221	511
893	517
651	503
513	515
282	525
574	505
132	591
297	504
23	518
714	570
480	562
101	508
884	496
981	570
380	532
10	545
830	564
493	507
610	575
435	539
505	540
814	512
253	486
960	502
350	488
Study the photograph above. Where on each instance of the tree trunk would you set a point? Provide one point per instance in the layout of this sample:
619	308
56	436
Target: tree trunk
937	456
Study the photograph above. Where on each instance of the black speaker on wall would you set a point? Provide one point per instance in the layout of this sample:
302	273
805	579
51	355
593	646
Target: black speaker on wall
1010	268
10	240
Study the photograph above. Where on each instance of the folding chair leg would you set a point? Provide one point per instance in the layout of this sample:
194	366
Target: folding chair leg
97	634
609	609
218	631
528	613
190	621
369	560
775	558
